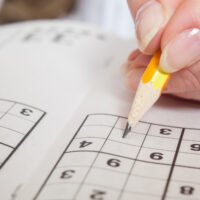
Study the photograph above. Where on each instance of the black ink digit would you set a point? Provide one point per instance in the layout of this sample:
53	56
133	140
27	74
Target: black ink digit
186	190
84	144
156	156
195	147
67	174
165	131
26	112
98	195
113	162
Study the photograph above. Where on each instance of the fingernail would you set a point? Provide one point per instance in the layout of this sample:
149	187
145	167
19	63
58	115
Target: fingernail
181	52
148	21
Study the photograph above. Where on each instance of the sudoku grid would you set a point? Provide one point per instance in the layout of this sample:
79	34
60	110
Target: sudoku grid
155	162
17	121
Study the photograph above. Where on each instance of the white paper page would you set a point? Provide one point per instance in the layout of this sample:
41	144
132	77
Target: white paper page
46	70
159	160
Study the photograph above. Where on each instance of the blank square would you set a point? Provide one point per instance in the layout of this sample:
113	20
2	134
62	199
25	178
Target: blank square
4	152
94	131
134	196
5	105
151	170
100	119
145	185
77	159
160	143
16	124
120	149
10	137
106	178
189	160
191	134
186	175
60	191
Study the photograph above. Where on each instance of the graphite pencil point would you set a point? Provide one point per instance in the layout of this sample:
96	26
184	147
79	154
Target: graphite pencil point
127	130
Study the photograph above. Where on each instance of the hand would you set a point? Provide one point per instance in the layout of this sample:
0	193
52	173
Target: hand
174	27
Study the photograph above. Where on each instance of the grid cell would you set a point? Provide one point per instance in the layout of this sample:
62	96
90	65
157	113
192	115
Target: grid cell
188	160
134	139
86	144
140	185
77	159
58	191
5	106
25	112
106	178
89	192
183	174
102	120
113	163
4	152
16	124
68	175
141	127
165	131
121	149
158	143
94	131
10	137
151	170
156	156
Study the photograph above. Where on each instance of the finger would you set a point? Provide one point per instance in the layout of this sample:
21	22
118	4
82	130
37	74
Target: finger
133	77
194	95
150	18
134	54
141	60
185	80
181	39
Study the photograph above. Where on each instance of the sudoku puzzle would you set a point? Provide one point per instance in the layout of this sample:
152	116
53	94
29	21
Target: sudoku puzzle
156	162
17	121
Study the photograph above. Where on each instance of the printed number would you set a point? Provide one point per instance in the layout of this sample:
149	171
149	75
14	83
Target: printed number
113	162
187	190
67	174
195	147
156	156
98	195
165	131
26	112
84	144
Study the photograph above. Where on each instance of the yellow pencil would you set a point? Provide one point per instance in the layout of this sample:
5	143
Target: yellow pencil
150	88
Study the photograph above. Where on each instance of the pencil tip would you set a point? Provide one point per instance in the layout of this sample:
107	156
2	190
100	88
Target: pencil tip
127	130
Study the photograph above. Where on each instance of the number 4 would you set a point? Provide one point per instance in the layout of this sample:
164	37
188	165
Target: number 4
84	144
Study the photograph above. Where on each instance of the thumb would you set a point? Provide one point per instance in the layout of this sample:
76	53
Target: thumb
181	39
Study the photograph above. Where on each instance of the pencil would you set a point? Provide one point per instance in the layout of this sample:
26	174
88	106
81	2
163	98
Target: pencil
151	85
